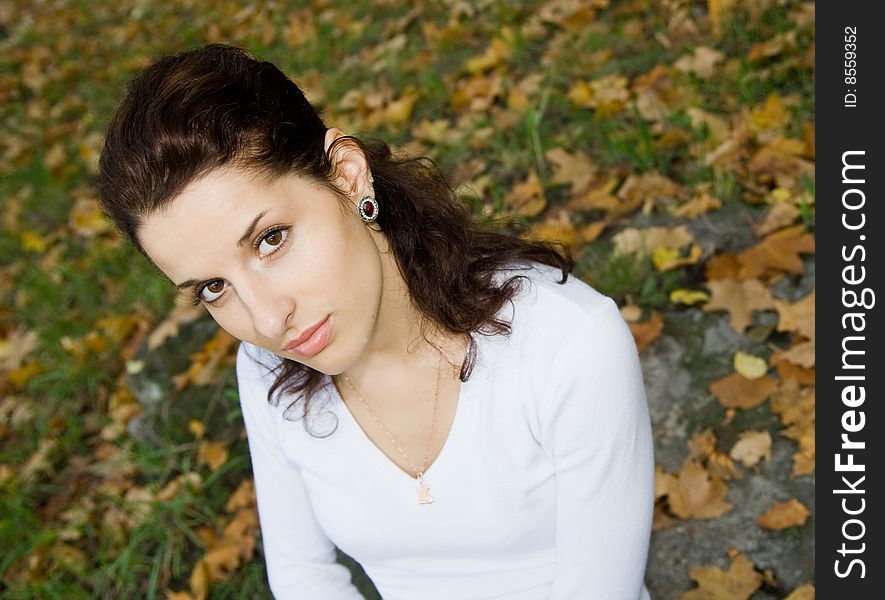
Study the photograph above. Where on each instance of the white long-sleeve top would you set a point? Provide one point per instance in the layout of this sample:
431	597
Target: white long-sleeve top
543	489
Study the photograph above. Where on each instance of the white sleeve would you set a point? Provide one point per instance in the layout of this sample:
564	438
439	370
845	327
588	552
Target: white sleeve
596	427
300	558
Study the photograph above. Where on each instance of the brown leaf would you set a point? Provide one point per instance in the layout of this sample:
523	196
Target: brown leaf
643	242
645	333
784	514
751	447
797	316
736	391
700	204
648	189
243	496
778	252
695	493
803	592
702	63
801	353
215	354
182	313
723	266
778	216
739	298
737	583
200	580
213	454
576	170
527	197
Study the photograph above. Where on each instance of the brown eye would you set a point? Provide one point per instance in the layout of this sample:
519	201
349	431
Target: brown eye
272	241
212	290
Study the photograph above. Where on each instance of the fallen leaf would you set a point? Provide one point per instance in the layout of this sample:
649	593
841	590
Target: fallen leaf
778	216
649	189
702	63
740	299
771	114
751	367
645	333
803	592
576	170
666	259
779	252
688	297
797	316
200	580
213	454
751	447
696	494
739	582
698	205
784	514
642	242
197	428
736	391
527	197
723	266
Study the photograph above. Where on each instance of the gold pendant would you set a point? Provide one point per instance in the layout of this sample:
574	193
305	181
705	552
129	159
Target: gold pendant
424	496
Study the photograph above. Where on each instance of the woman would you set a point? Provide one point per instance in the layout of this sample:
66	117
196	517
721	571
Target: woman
443	404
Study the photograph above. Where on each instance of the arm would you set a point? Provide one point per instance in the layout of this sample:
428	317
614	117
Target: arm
300	558
597	429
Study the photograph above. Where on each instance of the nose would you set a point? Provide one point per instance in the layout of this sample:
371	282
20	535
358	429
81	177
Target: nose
268	304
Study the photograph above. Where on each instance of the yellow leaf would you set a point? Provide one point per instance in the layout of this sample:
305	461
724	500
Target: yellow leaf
665	259
689	297
200	580
213	454
784	514
497	53
33	241
19	377
751	367
772	114
197	428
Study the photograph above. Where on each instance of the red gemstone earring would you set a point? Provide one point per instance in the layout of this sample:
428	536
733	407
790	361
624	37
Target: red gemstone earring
368	208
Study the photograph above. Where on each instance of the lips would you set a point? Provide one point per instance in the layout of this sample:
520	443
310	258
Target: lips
312	340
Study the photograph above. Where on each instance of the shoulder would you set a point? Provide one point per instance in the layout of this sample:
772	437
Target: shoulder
544	305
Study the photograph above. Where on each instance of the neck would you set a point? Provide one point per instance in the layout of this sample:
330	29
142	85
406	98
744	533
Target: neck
402	338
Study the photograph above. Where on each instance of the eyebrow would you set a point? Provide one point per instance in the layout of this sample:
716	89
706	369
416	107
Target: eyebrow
249	231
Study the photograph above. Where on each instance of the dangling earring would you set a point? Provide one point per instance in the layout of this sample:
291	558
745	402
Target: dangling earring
368	208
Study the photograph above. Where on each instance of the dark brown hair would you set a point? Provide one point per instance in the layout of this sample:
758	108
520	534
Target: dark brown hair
190	113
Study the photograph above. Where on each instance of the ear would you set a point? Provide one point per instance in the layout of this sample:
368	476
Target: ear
350	169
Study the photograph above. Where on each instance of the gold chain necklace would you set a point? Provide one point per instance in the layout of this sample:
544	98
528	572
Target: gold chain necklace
424	496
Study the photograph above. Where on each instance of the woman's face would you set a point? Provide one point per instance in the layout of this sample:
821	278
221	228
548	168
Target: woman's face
286	266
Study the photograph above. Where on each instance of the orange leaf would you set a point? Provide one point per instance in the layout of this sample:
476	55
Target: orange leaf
784	514
736	391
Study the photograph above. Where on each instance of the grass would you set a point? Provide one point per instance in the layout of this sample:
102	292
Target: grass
61	75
